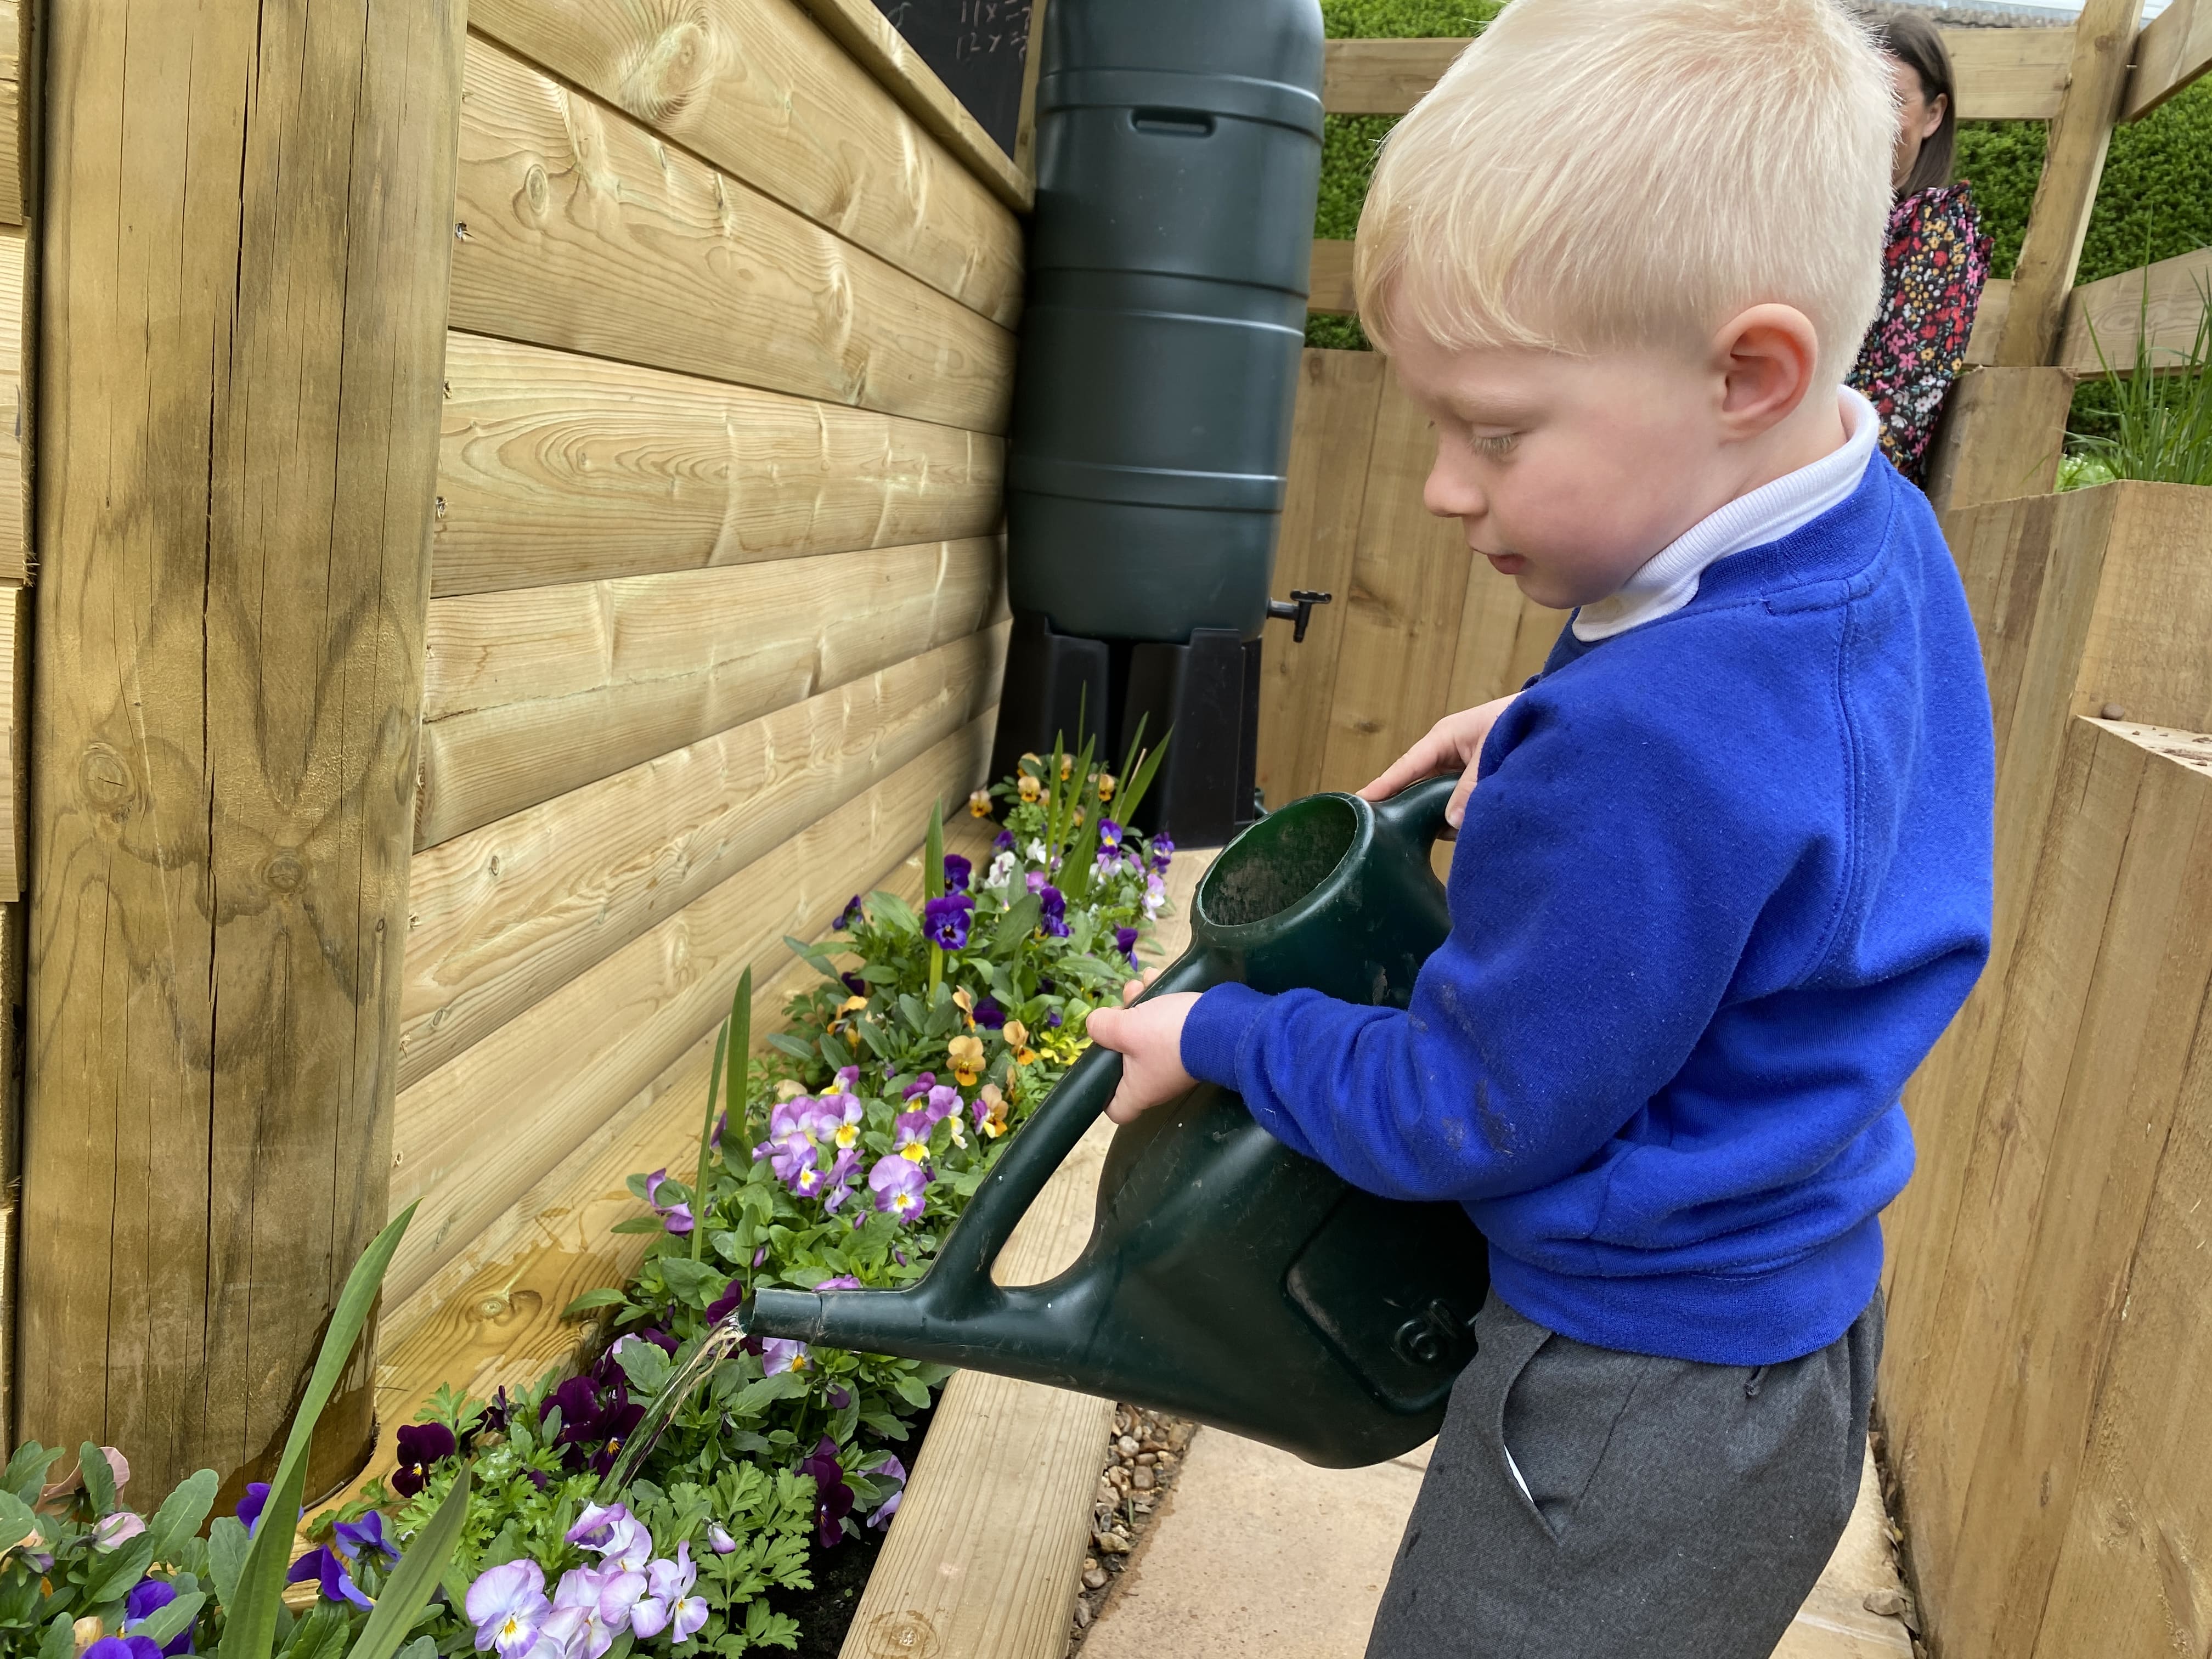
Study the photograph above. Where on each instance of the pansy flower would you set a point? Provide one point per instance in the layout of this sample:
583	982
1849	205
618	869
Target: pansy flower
832	1498
898	1185
420	1446
1031	789
957	872
979	804
676	1218
889	1469
780	1354
1003	842
944	921
991	1110
335	1582
1124	941
1018	1038
910	1135
1109	833
846	917
1054	904
966	1054
1106	785
148	1598
989	1015
506	1604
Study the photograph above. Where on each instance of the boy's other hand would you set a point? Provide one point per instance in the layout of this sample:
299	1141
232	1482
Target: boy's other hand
1149	1039
1452	744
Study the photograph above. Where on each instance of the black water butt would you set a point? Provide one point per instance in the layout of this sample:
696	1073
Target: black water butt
1178	156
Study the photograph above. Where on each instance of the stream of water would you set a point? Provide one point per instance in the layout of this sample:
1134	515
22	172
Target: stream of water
690	1377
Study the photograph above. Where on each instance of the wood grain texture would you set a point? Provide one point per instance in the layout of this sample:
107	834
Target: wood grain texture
242	313
2080	132
2002	433
559	468
15	778
531	695
2174	48
475	1135
2067	594
15	497
2107	989
1401	613
490	1317
1331	434
12	151
576	228
2164	302
1504	637
755	89
982	1557
1329	288
503	917
864	32
1988	322
2000	74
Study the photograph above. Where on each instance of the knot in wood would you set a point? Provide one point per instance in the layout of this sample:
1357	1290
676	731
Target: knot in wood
105	777
284	872
908	1635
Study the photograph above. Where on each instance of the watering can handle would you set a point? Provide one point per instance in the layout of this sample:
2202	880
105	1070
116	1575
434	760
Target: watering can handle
1417	812
963	1264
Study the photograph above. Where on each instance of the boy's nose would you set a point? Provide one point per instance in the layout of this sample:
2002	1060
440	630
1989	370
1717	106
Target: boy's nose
1451	492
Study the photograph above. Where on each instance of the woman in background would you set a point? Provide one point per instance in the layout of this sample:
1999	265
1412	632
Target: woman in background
1936	259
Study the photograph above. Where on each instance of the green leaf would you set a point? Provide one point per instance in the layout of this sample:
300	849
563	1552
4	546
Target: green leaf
250	1632
27	1470
636	1223
60	1640
422	1647
321	1633
226	1543
912	1392
933	853
165	1624
893	911
115	1571
606	1297
872	1035
696	1282
181	1515
875	973
645	1365
798	1048
1020	921
99	1477
408	1589
814	956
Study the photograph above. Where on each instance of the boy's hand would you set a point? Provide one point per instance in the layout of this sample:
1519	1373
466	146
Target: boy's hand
1452	744
1149	1039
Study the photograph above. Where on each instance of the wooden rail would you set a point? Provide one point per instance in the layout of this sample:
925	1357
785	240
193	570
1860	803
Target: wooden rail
2174	48
2002	75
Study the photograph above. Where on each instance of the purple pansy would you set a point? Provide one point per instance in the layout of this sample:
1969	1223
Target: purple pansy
1163	852
957	870
1109	833
668	1603
989	1015
506	1604
719	1538
728	1303
148	1598
1002	840
898	1183
676	1218
1054	904
1124	941
781	1354
329	1572
848	915
256	1499
892	1469
944	921
352	1537
122	1647
421	1446
832	1498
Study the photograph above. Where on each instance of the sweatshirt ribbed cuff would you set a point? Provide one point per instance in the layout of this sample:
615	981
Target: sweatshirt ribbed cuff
1214	1035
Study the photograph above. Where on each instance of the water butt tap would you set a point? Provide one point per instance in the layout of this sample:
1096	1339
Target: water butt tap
1297	610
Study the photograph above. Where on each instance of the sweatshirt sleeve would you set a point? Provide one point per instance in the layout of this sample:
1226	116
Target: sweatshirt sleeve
1605	884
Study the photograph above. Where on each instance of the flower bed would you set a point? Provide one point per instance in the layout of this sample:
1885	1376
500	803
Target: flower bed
849	1150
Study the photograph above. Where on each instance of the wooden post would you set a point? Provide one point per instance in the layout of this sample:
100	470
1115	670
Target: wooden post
2003	431
246	242
2075	157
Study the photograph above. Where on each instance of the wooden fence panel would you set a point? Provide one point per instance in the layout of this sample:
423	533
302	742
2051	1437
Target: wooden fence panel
1338	394
757	89
14	389
577	227
2174	48
476	1135
560	468
500	918
1409	577
534	694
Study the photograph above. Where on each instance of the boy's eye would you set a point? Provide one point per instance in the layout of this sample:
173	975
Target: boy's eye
1497	444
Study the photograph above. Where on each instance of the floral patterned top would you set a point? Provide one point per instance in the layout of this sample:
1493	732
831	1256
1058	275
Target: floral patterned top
1934	263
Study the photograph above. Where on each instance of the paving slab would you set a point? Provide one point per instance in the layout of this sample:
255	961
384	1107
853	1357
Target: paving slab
1255	1553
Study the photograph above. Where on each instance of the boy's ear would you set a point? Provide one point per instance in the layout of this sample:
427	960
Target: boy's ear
1766	358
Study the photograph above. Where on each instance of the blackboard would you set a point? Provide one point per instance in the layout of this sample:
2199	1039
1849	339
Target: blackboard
977	48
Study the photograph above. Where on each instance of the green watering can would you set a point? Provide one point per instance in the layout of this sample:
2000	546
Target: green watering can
1227	1278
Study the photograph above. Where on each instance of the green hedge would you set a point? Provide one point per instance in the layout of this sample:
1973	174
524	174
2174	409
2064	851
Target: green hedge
2154	201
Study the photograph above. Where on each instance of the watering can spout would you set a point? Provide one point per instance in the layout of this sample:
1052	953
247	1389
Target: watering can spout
998	1334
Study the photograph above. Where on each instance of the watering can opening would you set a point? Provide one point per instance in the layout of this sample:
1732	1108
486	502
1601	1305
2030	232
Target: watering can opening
1283	859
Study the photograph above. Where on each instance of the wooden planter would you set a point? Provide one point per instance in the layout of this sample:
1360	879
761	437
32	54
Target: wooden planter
2046	1378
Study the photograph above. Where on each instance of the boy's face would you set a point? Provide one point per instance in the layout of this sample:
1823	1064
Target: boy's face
1569	473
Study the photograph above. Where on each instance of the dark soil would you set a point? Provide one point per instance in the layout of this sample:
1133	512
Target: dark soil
841	1572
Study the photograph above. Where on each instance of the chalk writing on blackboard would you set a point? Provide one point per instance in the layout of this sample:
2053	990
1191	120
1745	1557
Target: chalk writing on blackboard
977	47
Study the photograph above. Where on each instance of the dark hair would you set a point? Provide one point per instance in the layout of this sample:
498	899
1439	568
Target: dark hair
1915	41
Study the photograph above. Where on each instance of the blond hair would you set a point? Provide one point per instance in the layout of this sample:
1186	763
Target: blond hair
1601	173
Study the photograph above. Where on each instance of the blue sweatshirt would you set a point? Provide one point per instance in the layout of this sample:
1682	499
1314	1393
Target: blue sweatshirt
1723	881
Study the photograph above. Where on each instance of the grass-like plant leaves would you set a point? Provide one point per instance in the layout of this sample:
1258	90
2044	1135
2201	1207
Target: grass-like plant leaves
2162	408
250	1632
415	1580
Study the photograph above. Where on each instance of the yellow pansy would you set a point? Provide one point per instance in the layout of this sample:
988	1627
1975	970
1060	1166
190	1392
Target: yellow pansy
966	1054
979	804
994	1110
1066	767
1105	786
1032	790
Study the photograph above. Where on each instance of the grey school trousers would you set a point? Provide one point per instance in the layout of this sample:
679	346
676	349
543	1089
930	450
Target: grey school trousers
1674	1508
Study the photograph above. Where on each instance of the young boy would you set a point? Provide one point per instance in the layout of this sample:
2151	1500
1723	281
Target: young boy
1726	874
